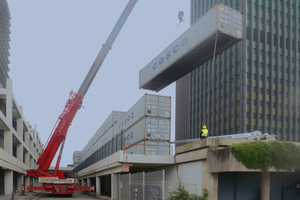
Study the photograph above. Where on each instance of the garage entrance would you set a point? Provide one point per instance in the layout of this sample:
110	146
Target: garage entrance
105	185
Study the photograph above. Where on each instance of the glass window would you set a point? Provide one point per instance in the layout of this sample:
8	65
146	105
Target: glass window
68	175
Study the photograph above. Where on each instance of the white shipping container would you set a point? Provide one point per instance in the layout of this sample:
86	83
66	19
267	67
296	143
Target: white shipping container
149	148
99	143
108	123
75	159
77	154
147	106
194	47
105	138
75	164
149	128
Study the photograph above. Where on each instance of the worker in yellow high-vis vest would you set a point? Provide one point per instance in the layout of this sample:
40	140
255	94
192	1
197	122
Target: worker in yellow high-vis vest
203	133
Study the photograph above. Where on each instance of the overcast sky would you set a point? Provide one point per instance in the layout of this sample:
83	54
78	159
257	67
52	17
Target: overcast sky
54	43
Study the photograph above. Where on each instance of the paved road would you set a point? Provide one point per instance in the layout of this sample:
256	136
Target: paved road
77	195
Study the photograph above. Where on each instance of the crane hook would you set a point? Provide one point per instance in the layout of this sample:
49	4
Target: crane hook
180	16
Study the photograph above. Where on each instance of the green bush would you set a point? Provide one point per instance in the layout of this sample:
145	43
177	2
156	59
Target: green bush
181	194
263	155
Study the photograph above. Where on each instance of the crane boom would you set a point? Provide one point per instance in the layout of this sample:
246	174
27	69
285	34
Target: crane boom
59	132
106	47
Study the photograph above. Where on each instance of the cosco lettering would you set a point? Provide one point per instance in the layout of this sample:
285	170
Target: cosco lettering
175	49
168	55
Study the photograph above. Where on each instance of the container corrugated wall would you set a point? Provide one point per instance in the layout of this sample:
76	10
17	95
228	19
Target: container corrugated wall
107	126
149	148
148	128
147	106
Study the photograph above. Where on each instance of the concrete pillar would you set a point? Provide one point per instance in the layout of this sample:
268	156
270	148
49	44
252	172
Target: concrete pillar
119	186
88	182
8	179
27	181
9	103
20	182
98	184
114	186
31	165
210	182
27	138
20	152
8	142
27	158
265	186
35	165
20	127
30	144
35	132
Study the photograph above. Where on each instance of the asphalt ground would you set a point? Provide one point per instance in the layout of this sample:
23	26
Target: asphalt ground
18	196
43	196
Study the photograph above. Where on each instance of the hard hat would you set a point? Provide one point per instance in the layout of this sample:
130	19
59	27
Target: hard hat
266	134
204	127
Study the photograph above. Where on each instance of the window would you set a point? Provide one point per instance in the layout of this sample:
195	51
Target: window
68	175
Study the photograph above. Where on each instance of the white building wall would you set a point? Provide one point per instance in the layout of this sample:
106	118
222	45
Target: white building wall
19	138
187	176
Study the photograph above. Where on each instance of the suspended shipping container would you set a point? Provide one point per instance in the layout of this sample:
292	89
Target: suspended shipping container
194	47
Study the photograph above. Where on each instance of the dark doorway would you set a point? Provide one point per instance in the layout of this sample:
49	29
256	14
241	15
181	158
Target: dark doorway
239	185
1	181
247	185
15	181
93	181
285	186
105	184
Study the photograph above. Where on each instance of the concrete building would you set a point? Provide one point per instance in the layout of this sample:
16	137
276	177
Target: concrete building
20	144
4	47
255	84
198	165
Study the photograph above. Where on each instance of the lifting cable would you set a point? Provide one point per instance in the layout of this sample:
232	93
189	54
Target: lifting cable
211	77
180	16
175	29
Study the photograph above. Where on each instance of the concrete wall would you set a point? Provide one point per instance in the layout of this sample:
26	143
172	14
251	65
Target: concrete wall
17	132
189	174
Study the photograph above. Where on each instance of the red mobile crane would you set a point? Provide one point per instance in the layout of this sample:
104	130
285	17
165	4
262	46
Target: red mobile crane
60	181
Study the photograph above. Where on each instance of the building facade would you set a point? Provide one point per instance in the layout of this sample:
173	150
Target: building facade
4	47
255	84
20	145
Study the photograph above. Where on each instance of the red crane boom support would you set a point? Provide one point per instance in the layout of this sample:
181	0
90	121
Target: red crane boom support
57	135
59	132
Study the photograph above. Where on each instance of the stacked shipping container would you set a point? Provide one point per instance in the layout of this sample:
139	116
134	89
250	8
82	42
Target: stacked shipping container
146	122
144	129
102	136
76	158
